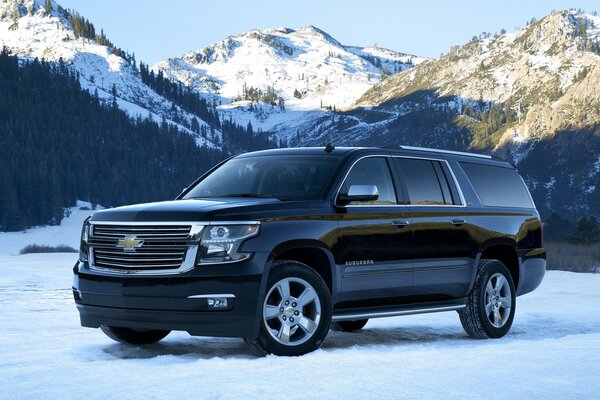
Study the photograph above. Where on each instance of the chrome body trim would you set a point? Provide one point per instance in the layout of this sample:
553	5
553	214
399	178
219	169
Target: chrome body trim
206	296
353	317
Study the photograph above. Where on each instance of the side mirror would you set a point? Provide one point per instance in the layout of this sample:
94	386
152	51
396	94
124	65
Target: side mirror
359	193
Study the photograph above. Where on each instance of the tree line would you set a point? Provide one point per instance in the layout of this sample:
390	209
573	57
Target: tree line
236	137
585	230
59	143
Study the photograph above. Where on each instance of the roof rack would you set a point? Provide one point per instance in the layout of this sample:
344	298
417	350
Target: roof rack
460	153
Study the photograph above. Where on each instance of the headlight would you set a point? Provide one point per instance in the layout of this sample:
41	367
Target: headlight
220	243
83	245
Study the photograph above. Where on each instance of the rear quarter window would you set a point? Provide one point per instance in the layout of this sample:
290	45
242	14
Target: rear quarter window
498	186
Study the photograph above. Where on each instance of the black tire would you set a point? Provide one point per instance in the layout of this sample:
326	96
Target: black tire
474	318
265	343
132	336
348	326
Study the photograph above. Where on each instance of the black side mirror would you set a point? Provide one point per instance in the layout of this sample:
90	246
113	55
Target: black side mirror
358	193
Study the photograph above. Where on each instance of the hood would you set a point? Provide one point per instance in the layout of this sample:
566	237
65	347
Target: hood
204	210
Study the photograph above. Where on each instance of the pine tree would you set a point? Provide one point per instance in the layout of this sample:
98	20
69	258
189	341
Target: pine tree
48	7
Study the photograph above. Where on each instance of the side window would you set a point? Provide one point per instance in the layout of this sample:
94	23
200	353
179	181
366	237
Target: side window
424	185
497	186
372	171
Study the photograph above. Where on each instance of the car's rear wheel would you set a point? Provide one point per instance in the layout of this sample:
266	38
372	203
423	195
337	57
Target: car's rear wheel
296	311
491	305
133	336
349	326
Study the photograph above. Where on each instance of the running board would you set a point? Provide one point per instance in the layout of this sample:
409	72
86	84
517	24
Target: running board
394	311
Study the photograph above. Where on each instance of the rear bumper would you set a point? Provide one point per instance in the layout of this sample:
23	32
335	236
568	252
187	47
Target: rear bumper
532	274
175	302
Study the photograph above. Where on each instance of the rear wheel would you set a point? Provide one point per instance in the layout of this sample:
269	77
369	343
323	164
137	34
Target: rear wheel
491	305
348	326
133	336
296	312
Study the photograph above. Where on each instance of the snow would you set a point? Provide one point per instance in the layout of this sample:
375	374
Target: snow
50	37
305	59
551	351
69	232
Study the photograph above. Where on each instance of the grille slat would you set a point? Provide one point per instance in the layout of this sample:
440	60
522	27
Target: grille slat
164	247
145	232
111	253
135	260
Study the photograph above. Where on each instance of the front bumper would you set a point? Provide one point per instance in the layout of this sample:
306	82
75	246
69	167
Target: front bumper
163	301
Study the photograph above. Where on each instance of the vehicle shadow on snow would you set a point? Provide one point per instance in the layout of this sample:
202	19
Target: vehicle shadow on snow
534	327
192	347
207	348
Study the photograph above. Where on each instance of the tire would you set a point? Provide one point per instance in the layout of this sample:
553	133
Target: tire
132	336
348	326
487	314
296	312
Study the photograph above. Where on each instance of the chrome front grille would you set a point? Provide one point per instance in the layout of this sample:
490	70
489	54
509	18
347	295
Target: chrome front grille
141	248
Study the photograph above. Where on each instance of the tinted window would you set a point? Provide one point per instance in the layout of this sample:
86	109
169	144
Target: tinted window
293	177
372	171
421	181
497	186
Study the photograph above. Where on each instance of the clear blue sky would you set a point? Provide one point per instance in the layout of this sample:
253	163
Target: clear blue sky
158	29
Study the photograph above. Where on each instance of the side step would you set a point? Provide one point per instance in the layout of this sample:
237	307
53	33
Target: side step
393	311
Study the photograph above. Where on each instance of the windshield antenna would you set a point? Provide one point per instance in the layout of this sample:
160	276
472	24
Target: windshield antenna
329	148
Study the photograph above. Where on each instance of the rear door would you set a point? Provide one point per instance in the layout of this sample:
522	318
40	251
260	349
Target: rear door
375	240
441	245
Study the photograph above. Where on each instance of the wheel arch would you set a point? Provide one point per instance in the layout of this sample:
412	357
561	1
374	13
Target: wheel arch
505	252
314	254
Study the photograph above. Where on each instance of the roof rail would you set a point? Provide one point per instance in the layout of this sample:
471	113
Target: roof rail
460	153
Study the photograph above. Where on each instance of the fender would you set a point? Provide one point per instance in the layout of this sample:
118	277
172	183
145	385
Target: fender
336	283
487	244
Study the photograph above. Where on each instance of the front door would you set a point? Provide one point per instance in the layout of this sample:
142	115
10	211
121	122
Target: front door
375	240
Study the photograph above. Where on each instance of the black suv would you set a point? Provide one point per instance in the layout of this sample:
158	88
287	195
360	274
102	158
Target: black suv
279	246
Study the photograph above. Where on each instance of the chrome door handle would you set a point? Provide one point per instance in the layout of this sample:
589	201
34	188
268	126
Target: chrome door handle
458	222
400	223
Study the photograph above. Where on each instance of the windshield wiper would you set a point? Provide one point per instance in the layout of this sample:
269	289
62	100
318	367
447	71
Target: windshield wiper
256	195
247	195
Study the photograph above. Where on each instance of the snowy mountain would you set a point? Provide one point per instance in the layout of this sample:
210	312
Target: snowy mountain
277	76
530	96
31	29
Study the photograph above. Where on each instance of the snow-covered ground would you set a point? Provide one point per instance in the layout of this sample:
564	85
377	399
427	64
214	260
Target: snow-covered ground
551	352
68	233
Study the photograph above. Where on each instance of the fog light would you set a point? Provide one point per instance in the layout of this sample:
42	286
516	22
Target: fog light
217	302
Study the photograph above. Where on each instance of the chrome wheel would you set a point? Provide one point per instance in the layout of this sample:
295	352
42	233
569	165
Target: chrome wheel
291	311
498	300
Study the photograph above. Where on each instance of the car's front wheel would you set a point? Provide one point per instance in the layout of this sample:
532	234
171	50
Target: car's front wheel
133	336
491	305
296	311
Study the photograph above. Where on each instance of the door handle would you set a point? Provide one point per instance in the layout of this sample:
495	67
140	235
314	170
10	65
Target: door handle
459	222
400	223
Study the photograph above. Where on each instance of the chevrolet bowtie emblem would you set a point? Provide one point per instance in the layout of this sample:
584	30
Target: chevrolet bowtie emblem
130	243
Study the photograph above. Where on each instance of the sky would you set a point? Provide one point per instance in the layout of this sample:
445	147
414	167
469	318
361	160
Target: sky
159	29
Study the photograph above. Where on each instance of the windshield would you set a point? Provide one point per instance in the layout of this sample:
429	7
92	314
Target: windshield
289	177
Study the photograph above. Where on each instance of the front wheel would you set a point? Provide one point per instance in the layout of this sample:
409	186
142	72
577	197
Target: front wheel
491	305
296	312
132	336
